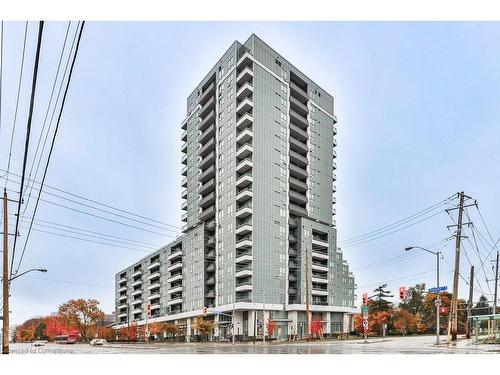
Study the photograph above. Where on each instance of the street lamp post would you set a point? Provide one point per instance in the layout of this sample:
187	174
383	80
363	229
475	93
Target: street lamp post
438	300
25	272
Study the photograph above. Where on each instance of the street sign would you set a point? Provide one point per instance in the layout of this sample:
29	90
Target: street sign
365	324
436	290
216	312
365	309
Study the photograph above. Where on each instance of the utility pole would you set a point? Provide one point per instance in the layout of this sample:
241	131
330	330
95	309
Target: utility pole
308	318
496	287
454	297
471	296
5	335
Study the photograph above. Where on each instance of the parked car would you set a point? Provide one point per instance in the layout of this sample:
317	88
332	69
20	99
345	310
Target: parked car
39	343
98	342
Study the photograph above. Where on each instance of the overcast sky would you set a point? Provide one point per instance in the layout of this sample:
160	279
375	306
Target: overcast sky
418	107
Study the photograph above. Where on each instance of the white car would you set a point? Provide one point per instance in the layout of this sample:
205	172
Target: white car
98	342
39	343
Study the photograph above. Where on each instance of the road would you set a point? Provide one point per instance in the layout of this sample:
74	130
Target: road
393	345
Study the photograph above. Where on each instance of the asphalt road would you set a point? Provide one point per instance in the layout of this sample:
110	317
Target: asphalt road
392	345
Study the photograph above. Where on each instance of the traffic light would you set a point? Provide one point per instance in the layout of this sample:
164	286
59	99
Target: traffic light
148	310
205	311
365	299
443	310
402	293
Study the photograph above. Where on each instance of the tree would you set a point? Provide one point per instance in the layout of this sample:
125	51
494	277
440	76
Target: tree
404	321
40	331
379	303
172	329
81	313
205	327
482	306
415	299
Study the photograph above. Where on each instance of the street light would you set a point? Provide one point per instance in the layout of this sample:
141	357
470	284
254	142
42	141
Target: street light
264	307
438	300
25	272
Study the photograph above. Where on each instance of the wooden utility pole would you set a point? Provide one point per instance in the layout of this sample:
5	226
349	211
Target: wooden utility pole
496	287
308	317
5	333
454	297
469	305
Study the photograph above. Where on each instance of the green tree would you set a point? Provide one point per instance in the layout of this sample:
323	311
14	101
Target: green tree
40	331
414	299
482	307
379	303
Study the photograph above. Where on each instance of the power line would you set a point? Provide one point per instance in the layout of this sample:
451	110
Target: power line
52	145
69	282
389	233
397	223
28	132
98	203
17	100
47	113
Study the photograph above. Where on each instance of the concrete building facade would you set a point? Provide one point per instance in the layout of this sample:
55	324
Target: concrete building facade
258	194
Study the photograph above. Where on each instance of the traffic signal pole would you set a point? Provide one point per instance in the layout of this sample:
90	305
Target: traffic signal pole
5	334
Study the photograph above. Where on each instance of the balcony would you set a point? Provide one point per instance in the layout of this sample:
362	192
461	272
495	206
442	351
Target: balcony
208	133
210	281
184	136
245	271
135	283
122	315
298	119
184	217
244	106
211	267
244	136
156	284
184	182
298	159
298	106
174	255
122	298
244	243
208	212
154	276
244	180
319	280
297	184
244	229
207	160
184	159
319	266
244	121
207	121
122	280
319	292
244	286
122	289
174	267
207	173
207	93
292	252
297	210
154	296
298	92
210	294
136	273
298	146
244	151
175	301
320	242
177	289
207	147
136	292
244	195
243	257
319	255
209	105
292	264
244	165
244	76
175	278
184	148
244	211
184	206
297	197
207	186
244	91
298	133
207	200
154	264
292	238
184	170
298	172
210	225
